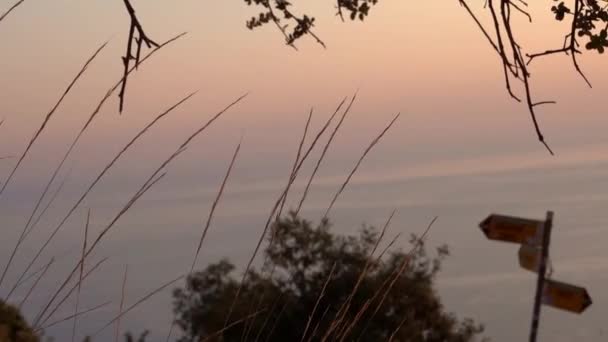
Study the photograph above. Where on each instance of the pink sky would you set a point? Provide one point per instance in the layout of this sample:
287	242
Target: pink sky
427	60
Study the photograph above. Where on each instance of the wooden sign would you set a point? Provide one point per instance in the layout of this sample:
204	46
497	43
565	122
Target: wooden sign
529	257
512	229
565	296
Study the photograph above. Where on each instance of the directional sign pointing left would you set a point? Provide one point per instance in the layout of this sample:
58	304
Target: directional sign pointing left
512	229
566	296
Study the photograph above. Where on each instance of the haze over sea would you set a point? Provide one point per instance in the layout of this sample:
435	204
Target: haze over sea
461	150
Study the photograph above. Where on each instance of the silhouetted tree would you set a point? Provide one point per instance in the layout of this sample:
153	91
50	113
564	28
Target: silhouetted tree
317	284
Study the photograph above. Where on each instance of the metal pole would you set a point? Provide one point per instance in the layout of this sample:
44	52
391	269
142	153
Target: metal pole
544	253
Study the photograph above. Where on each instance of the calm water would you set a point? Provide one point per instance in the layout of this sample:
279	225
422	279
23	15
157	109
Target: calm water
481	279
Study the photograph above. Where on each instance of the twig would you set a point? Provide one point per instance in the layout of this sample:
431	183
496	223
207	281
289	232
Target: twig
141	38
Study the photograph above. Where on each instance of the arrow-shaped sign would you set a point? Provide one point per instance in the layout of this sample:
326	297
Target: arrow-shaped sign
512	229
565	296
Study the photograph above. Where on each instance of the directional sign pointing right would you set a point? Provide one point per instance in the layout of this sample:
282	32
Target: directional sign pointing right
512	229
566	296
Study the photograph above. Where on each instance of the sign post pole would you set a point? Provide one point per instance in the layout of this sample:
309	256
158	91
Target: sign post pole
541	275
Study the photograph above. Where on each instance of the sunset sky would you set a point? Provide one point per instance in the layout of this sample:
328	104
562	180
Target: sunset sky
426	60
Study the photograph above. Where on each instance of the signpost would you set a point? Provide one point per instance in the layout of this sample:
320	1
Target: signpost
535	237
540	282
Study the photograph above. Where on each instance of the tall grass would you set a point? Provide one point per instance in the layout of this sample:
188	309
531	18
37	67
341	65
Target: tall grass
73	282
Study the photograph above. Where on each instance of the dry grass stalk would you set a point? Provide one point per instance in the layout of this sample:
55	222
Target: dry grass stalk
239	321
49	115
214	206
75	315
126	208
12	8
371	145
47	118
28	232
208	223
321	295
267	319
396	275
48	205
395	238
100	175
297	160
292	178
134	305
67	295
323	153
31	275
314	331
80	274
29	292
355	320
344	308
37	272
89	121
394	333
154	178
276	321
122	301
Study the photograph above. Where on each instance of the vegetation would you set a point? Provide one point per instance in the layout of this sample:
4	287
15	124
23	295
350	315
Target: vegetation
13	327
315	284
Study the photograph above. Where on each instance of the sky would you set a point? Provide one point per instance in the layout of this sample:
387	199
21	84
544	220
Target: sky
461	148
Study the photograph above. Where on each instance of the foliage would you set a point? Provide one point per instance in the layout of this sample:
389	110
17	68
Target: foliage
284	293
13	327
278	12
591	21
